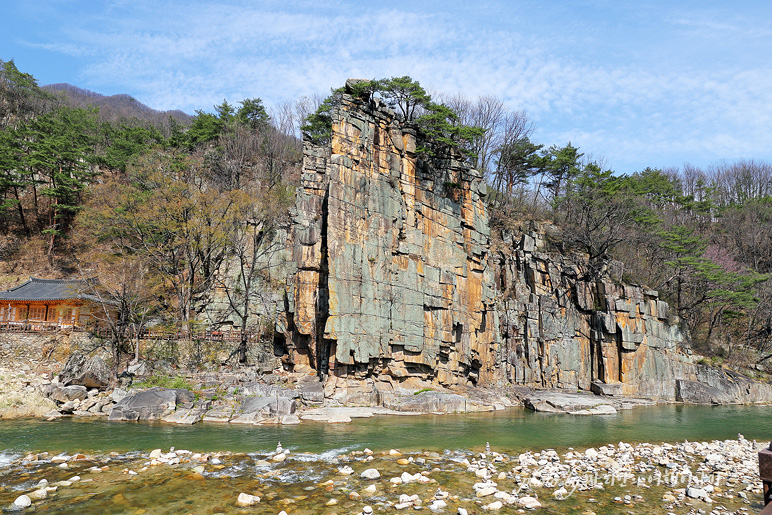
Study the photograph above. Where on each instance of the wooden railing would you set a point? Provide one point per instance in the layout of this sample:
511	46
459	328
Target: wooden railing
207	335
35	326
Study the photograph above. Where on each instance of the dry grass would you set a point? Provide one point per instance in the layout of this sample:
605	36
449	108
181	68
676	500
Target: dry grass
20	401
24	405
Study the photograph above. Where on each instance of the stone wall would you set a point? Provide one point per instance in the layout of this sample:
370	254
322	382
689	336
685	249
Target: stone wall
392	280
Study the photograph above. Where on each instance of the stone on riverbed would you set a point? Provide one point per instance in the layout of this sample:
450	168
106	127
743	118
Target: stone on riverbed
39	494
23	501
529	502
370	474
698	493
437	505
486	491
247	499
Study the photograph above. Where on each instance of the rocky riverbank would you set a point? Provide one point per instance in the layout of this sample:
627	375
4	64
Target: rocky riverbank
54	378
247	397
715	477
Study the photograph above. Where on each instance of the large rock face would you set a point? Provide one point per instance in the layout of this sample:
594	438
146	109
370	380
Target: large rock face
563	330
560	329
391	250
394	282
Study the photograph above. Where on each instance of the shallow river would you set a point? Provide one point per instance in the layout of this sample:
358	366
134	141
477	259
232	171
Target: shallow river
513	430
310	481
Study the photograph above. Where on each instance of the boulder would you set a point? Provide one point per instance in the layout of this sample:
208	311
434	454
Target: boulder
427	402
89	372
268	406
267	390
311	389
118	394
607	389
153	404
601	409
184	416
694	392
722	386
220	413
579	403
140	368
69	393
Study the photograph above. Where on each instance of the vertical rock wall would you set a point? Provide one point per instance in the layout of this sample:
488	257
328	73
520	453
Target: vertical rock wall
390	284
392	280
563	330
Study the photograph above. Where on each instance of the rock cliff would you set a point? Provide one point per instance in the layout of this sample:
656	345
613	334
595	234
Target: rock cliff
396	280
561	329
392	279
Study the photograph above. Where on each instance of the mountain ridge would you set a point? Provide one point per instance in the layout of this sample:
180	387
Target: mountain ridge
117	107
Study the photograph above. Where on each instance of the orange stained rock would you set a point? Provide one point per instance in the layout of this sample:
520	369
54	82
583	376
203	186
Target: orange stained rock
306	284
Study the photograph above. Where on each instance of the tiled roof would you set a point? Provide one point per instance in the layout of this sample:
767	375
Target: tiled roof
50	289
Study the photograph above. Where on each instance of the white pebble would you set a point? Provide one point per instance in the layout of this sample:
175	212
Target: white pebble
23	501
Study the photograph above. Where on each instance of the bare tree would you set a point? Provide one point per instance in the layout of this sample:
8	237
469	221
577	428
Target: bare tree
515	153
304	107
124	291
246	280
487	112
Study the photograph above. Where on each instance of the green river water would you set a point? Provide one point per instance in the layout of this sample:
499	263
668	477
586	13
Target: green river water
309	480
512	430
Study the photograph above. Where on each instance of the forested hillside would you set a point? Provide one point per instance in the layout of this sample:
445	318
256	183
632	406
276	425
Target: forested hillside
164	210
118	108
160	219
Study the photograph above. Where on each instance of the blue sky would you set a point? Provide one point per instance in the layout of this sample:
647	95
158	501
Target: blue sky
639	83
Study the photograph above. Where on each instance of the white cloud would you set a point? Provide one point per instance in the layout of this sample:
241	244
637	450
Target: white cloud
192	55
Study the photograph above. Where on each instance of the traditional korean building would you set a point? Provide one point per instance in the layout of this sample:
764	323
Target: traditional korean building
39	304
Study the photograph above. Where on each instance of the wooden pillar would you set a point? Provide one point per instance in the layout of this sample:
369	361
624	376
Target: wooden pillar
765	472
